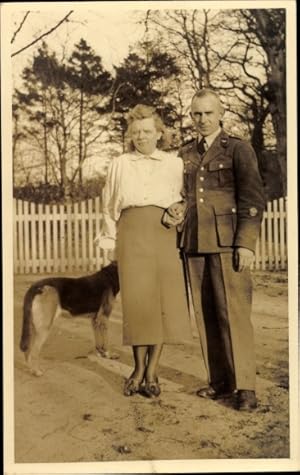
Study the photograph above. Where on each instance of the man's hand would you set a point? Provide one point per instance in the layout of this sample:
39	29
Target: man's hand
169	221
243	258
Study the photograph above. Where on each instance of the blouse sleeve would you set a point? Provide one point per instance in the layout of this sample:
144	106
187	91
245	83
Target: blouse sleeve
181	175
111	206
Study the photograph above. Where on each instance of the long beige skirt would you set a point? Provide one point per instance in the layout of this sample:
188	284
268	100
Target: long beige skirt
151	276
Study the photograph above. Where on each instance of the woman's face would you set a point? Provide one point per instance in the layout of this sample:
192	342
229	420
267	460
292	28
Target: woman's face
144	135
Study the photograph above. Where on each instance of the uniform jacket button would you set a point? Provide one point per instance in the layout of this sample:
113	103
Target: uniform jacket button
221	165
253	212
201	200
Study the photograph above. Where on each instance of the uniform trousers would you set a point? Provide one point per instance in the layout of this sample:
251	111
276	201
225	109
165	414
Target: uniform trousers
222	299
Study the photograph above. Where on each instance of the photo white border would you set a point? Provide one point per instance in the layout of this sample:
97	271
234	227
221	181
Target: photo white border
173	466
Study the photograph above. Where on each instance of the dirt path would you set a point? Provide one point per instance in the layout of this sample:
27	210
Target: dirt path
76	412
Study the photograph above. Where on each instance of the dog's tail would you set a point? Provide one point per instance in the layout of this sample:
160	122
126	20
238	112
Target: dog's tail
107	302
27	317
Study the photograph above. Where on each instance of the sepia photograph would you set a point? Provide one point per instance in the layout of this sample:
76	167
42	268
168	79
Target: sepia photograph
149	237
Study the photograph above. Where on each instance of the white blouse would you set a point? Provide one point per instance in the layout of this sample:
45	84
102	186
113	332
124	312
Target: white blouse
134	180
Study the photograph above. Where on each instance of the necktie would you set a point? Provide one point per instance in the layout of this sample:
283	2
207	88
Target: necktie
202	146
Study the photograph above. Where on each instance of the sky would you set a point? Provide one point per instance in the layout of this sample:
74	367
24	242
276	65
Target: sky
109	31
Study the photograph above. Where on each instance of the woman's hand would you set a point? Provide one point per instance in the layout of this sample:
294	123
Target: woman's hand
177	210
112	255
105	242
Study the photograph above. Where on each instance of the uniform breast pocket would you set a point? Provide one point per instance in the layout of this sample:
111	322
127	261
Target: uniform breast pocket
226	223
223	170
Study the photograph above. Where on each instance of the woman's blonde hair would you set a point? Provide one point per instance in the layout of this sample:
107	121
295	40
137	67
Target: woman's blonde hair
139	112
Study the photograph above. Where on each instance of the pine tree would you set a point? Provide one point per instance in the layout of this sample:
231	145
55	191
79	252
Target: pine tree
143	77
85	73
63	111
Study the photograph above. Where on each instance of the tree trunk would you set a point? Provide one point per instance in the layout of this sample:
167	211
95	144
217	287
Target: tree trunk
257	139
271	32
63	148
278	112
15	138
80	137
46	152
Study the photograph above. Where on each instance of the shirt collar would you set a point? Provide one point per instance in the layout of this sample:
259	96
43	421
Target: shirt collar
136	155
210	138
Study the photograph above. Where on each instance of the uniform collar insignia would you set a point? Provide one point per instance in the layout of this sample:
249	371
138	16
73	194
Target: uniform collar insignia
224	141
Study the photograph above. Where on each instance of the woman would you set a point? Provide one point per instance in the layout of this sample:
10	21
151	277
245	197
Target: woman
140	186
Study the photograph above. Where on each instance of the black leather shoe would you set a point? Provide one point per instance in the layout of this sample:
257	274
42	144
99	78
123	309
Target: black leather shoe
245	400
152	389
213	391
131	387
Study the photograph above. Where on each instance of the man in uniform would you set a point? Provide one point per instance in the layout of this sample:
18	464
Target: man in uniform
223	208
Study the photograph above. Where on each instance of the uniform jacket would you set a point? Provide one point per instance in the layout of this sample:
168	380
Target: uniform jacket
224	195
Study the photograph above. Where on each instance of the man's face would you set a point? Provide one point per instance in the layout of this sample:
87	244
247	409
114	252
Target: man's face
206	113
144	135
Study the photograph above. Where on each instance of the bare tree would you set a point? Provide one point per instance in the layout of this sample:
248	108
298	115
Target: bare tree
39	38
269	28
235	53
187	35
54	114
19	27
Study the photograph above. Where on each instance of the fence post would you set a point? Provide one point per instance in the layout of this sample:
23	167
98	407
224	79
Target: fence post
282	240
41	238
70	216
33	218
20	236
97	227
15	237
26	224
269	236
55	237
76	236
48	238
275	234
90	235
83	235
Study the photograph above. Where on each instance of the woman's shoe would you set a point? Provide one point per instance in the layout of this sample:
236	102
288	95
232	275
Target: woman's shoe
152	388
131	386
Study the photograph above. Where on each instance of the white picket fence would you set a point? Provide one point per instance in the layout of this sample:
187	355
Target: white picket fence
271	248
60	238
57	238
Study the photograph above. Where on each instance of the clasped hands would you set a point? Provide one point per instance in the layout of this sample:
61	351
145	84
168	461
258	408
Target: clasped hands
174	215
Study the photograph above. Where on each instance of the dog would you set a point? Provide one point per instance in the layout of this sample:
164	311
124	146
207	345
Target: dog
48	298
